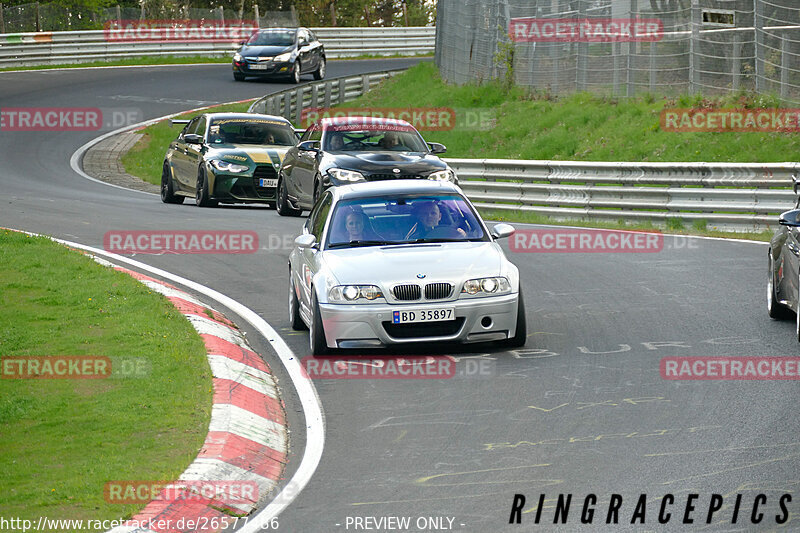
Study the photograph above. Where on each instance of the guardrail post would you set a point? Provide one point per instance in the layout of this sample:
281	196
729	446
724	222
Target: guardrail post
287	105
328	90
365	83
784	67
315	95
736	69
333	14
298	111
256	15
342	91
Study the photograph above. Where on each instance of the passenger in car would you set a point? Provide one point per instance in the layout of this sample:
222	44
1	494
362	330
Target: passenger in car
356	227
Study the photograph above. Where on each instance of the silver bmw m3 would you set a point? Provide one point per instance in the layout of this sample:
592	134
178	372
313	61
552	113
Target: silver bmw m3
402	261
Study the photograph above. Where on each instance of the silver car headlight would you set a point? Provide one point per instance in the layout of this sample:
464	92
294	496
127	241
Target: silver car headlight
227	166
283	57
443	175
347	294
486	286
237	57
345	175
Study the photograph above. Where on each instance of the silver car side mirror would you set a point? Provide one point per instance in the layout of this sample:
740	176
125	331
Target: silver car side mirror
501	231
306	240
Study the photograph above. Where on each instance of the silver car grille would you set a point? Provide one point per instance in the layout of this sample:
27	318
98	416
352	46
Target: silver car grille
407	292
437	291
433	291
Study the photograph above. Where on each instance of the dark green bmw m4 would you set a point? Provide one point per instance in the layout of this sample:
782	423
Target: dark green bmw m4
226	157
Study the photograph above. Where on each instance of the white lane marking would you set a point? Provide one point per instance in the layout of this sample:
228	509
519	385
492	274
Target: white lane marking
312	406
226	417
223	367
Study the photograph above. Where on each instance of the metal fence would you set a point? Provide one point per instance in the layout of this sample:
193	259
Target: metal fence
52	48
705	46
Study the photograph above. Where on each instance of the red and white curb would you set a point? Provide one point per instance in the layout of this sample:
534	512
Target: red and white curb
247	437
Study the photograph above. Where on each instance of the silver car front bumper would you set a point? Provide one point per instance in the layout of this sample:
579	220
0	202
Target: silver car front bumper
364	325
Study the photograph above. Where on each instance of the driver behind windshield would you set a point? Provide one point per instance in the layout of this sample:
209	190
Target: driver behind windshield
428	225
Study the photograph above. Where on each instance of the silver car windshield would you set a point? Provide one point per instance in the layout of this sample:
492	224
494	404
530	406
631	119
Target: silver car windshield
403	219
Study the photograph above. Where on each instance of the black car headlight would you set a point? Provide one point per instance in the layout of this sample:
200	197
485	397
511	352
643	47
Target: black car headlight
354	294
443	175
227	166
342	174
486	286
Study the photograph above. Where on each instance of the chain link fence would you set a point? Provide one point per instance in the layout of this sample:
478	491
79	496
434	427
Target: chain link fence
703	46
51	17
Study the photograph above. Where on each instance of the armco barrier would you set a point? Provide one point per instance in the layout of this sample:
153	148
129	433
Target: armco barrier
731	196
51	48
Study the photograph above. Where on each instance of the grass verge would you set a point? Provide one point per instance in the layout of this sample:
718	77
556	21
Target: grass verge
581	127
63	439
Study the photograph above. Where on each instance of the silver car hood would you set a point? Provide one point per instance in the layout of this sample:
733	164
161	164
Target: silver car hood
384	265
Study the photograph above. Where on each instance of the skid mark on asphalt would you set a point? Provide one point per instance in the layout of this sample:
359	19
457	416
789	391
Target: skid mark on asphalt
423	481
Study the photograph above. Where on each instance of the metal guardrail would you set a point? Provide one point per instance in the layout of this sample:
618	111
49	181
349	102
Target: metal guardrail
324	93
51	48
727	196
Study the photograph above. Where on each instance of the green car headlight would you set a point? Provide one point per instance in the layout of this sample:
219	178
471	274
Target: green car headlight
227	166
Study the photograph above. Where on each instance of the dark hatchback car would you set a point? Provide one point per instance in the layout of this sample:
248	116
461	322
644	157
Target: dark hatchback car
226	157
347	150
280	53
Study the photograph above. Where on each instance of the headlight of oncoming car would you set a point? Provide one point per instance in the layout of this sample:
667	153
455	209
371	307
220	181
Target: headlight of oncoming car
486	286
354	293
443	175
227	166
237	57
345	175
283	57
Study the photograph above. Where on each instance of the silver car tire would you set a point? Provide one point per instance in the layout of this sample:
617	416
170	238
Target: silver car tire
295	319
316	333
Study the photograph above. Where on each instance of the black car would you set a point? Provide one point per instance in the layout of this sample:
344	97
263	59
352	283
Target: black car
226	157
280	53
783	276
347	150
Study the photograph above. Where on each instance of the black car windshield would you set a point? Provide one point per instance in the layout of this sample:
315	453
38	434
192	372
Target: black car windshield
403	219
372	140
250	131
272	38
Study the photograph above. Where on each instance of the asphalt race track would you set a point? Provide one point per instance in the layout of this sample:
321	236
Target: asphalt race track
581	410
